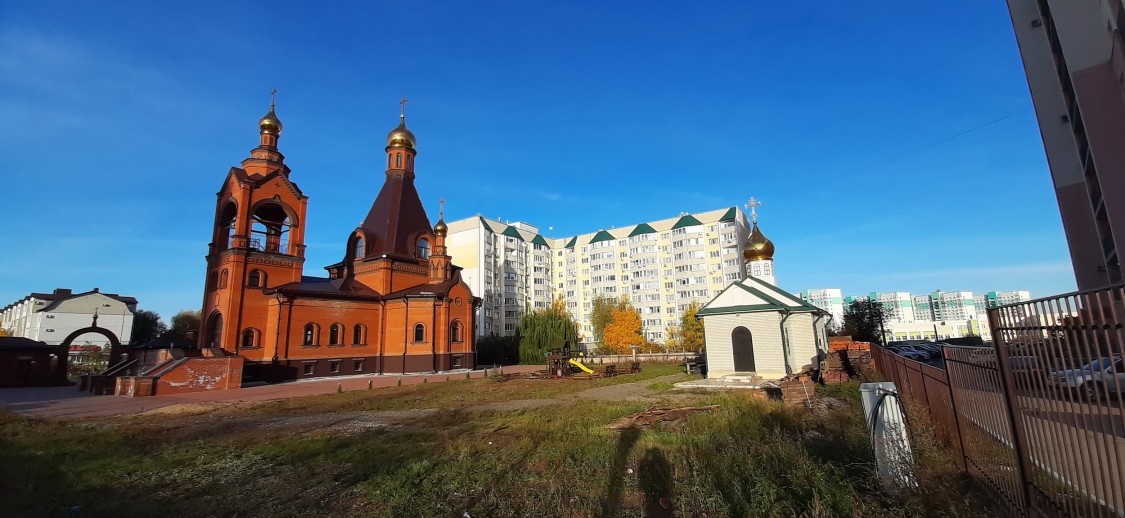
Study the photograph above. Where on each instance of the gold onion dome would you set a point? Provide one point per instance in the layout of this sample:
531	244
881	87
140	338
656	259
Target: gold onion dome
270	123
441	229
400	137
758	248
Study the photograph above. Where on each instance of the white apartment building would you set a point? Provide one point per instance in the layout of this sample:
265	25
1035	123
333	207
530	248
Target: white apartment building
994	299
900	303
662	266
828	299
51	317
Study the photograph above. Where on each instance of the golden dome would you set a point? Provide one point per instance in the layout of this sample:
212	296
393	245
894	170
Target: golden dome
270	123
758	248
400	137
441	229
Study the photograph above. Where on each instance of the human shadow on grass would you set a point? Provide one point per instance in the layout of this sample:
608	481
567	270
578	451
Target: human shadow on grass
656	480
616	483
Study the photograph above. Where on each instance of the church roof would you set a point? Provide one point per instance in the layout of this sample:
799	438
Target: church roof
752	295
396	219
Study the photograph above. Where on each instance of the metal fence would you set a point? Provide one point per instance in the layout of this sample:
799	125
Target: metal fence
1038	416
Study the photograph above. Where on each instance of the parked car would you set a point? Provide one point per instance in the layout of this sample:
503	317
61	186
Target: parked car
1108	382
1079	379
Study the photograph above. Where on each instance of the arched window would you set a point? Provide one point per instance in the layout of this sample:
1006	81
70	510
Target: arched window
213	282
360	248
215	331
312	334
257	279
408	161
359	334
398	159
269	228
249	337
419	333
223	279
423	251
224	225
456	332
334	332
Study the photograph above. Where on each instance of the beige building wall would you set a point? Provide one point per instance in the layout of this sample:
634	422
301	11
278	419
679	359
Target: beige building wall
765	328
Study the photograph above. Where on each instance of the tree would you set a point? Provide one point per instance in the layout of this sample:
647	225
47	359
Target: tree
864	319
625	329
691	329
183	322
542	328
672	338
146	326
601	314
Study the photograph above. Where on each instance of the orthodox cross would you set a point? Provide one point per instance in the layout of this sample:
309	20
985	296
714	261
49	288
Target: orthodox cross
753	205
273	97
441	209
95	322
403	103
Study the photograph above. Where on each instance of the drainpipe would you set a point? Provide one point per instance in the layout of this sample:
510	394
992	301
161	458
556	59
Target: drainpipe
406	333
277	337
815	334
785	341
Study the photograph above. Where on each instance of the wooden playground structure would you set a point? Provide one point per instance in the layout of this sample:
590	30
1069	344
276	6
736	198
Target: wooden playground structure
564	366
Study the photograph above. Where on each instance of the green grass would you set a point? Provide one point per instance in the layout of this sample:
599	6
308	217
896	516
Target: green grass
748	458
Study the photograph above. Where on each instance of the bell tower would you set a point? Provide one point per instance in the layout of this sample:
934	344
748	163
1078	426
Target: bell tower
258	242
759	250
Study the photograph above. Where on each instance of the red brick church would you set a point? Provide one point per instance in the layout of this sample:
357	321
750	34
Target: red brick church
394	304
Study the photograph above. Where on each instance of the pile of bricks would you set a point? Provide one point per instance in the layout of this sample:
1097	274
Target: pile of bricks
797	389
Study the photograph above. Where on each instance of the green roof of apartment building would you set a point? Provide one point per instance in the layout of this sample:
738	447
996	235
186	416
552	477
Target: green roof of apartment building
643	228
512	232
602	235
686	221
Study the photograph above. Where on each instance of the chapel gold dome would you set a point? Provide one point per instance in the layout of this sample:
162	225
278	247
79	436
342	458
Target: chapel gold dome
270	123
400	137
758	247
441	229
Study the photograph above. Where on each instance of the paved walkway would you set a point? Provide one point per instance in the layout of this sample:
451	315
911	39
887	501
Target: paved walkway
69	402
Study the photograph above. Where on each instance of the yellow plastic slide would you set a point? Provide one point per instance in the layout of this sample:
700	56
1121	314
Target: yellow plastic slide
578	364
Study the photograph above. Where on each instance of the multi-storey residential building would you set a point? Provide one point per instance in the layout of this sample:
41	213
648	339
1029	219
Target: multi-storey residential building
830	300
508	265
52	317
994	299
953	305
1072	53
899	302
662	266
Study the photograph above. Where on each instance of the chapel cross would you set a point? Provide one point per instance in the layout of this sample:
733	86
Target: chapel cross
273	97
403	103
441	209
753	205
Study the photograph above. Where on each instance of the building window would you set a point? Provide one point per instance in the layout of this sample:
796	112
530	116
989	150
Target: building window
257	279
359	365
456	332
249	338
334	367
457	362
214	281
398	159
334	334
419	333
223	278
359	334
360	248
423	250
310	368
312	334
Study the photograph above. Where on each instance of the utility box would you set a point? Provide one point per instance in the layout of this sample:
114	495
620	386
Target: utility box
890	442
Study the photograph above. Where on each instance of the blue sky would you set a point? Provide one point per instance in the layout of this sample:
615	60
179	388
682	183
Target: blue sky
893	143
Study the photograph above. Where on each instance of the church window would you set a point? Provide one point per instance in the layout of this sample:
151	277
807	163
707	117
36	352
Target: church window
334	367
310	369
757	270
257	279
360	248
398	159
249	338
213	283
766	269
456	332
408	160
312	334
419	333
359	334
423	251
359	365
215	334
334	332
223	279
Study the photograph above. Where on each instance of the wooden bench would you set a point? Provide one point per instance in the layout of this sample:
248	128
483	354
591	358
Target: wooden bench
694	366
610	370
635	368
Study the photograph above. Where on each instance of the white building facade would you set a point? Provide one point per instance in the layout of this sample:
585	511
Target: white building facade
52	317
828	299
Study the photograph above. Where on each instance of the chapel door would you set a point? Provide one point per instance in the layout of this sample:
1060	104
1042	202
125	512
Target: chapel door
743	344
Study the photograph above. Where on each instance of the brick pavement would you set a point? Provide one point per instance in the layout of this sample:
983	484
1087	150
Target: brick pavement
69	402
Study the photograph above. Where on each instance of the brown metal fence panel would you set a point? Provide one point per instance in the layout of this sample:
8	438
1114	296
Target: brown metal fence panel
1036	417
